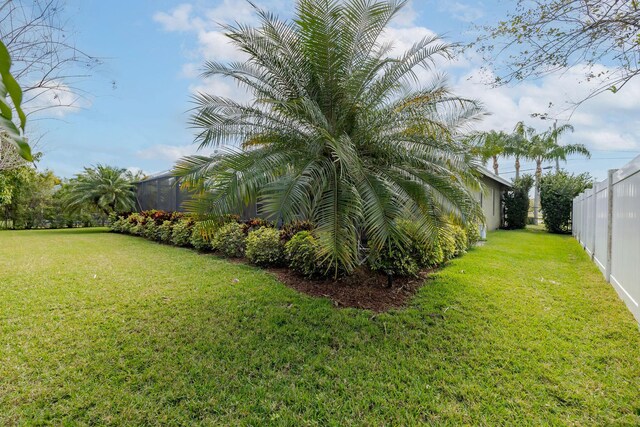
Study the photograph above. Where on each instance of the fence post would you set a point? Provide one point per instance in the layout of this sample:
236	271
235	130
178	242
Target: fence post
607	268
594	213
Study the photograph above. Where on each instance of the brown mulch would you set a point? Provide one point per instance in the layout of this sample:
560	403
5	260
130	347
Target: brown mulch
363	289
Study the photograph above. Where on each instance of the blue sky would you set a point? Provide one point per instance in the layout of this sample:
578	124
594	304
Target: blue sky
136	108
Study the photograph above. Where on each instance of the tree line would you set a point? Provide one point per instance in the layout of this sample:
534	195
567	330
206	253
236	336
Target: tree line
30	198
525	143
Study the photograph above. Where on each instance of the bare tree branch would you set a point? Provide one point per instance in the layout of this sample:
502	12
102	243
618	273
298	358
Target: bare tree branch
541	37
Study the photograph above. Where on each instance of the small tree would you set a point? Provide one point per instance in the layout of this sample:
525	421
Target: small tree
516	203
106	188
557	191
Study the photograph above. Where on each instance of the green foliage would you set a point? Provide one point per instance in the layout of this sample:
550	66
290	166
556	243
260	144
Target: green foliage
447	243
337	132
424	247
557	191
27	196
429	254
118	225
10	87
460	239
516	203
181	232
291	229
151	230
199	237
394	260
165	231
473	233
230	240
106	188
301	253
265	247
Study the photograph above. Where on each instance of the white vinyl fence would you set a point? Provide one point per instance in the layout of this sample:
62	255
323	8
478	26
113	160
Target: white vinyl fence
606	222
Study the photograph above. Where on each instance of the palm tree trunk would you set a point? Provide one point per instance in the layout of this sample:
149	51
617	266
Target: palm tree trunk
536	197
517	167
557	164
495	165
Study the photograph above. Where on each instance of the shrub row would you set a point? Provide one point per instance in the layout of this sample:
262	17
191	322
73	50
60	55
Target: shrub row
422	252
295	245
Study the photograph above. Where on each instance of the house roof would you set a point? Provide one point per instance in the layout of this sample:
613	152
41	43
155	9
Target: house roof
486	172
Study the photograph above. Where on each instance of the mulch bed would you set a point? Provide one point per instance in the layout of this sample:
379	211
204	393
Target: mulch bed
363	289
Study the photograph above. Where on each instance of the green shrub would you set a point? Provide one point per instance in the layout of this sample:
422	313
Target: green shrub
151	230
118	225
264	247
428	254
138	222
393	261
424	249
447	243
112	218
473	233
230	240
181	232
557	191
516	203
460	239
301	253
126	226
165	231
199	238
291	229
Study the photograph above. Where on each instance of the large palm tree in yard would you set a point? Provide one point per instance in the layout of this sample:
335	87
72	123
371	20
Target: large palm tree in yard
339	131
106	188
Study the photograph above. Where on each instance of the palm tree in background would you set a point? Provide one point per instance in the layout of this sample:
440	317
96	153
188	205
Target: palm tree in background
560	152
544	147
519	143
337	132
106	188
491	145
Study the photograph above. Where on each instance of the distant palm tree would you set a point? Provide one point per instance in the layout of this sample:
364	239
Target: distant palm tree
491	145
545	147
337	132
518	144
560	152
106	188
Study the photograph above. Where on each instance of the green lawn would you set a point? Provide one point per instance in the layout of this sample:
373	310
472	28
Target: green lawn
99	328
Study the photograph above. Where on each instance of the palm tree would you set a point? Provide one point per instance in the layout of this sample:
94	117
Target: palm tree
518	144
335	133
491	145
545	147
107	188
560	152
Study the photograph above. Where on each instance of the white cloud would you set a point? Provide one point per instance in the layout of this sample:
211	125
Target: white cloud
168	152
462	11
178	19
55	100
606	122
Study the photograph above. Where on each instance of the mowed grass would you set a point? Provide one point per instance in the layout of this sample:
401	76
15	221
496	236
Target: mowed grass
99	328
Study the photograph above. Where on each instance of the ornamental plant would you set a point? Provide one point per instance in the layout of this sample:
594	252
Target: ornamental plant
181	232
264	247
230	240
199	237
338	131
301	254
